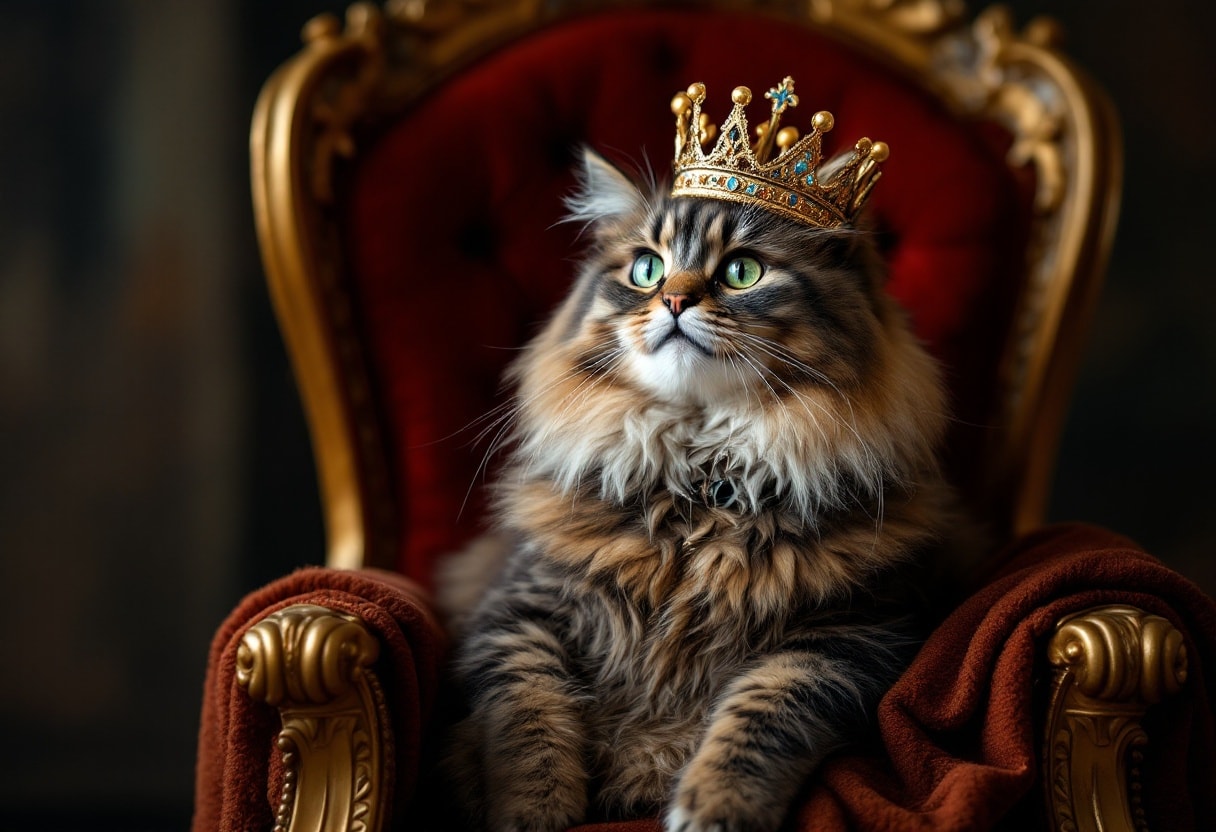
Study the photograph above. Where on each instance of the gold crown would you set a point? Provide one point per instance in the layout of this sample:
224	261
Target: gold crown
792	183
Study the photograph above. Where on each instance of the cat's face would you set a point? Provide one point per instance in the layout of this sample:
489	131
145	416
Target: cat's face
699	301
705	338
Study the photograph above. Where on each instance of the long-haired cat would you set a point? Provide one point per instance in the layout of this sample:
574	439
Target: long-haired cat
722	458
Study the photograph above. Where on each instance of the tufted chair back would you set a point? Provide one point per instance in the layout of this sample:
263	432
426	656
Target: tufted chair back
413	238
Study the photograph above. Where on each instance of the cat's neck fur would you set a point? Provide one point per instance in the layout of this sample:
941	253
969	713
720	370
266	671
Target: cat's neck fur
813	449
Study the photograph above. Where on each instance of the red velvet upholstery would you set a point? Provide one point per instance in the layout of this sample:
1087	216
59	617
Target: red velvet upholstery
456	256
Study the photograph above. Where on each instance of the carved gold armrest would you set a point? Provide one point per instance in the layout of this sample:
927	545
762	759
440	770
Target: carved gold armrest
1111	663
314	666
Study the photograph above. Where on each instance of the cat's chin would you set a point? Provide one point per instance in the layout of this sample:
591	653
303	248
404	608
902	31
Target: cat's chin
681	372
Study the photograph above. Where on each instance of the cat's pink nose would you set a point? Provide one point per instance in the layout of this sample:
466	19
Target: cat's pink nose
677	301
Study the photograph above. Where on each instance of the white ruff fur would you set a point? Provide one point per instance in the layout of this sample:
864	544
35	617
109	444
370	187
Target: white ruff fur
798	448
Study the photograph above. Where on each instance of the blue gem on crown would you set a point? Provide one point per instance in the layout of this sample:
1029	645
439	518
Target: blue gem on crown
783	96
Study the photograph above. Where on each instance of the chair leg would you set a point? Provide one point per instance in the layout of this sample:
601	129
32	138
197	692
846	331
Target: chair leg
314	666
1110	664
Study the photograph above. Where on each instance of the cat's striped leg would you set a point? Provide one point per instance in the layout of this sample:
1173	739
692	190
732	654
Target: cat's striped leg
526	729
769	730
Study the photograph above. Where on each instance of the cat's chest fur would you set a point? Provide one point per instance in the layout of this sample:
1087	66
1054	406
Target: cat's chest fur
652	673
664	599
626	452
641	519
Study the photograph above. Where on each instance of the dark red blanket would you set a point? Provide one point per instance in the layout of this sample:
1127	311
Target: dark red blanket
959	746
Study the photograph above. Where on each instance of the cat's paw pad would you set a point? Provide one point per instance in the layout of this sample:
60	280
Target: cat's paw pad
679	820
540	821
724	812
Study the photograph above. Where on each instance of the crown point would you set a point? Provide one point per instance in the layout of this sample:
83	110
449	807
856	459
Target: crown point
863	146
880	152
786	137
696	92
823	121
782	96
680	104
741	95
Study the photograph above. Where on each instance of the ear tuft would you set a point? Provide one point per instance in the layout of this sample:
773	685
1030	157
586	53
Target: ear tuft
603	192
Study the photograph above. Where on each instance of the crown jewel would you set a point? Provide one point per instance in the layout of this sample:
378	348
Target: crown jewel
793	183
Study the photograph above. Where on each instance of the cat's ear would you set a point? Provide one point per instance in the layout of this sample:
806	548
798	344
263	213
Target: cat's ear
603	192
859	246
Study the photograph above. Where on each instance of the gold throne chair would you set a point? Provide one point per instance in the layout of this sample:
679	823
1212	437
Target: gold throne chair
427	139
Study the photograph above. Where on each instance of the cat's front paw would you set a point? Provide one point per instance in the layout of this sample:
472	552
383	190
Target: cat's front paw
718	808
542	799
537	819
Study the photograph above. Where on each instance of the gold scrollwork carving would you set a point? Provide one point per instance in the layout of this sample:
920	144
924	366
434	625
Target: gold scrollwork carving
914	17
1111	664
314	665
1063	128
1017	95
337	105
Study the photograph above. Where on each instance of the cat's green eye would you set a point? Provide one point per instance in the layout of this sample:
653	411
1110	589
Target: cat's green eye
647	270
742	272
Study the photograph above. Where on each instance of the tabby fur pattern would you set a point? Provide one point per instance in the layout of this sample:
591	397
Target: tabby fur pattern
644	645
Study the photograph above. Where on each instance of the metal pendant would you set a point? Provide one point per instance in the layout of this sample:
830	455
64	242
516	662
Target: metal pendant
721	494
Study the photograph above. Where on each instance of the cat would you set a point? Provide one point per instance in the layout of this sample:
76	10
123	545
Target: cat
723	459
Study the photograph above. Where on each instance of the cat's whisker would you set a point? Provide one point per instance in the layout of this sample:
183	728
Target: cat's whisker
504	419
598	369
781	354
483	467
512	407
592	373
804	401
747	388
576	370
493	415
595	374
502	415
876	468
874	481
764	375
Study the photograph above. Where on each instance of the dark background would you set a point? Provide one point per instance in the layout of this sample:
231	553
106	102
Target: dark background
155	464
